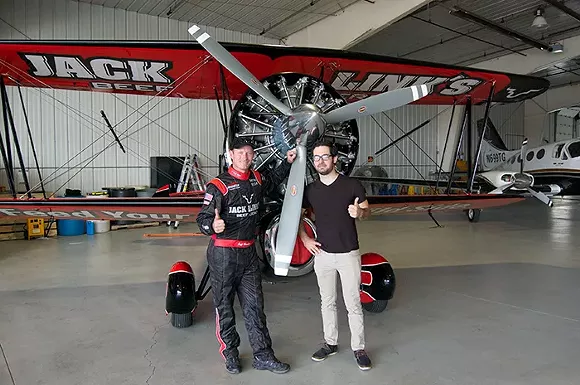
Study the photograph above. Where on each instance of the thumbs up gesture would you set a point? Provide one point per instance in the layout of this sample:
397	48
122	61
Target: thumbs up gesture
218	224
354	210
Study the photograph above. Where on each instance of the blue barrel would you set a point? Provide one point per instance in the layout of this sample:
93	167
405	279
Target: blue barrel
70	227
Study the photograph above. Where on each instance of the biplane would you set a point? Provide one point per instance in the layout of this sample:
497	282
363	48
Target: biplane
287	97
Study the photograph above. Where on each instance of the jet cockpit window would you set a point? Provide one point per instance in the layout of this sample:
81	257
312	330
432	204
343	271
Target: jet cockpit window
558	151
574	149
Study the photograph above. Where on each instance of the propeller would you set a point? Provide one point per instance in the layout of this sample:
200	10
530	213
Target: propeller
524	181
522	153
291	213
376	103
216	50
295	129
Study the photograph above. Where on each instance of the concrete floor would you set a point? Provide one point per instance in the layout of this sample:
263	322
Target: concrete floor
484	303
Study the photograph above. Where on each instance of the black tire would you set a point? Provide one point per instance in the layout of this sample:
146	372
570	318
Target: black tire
473	215
181	320
377	306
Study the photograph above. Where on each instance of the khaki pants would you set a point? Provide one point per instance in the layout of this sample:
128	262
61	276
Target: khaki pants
348	266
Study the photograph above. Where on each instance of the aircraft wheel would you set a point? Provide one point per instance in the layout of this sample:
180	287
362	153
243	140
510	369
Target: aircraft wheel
181	320
473	215
302	260
377	306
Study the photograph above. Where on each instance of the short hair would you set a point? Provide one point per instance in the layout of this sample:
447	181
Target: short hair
326	142
238	142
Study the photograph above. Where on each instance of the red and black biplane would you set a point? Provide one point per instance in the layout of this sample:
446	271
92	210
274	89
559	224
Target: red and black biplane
286	98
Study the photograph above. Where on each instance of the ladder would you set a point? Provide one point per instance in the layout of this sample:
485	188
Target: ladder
190	177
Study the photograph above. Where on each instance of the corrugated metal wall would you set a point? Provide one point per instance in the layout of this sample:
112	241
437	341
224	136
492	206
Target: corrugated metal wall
508	119
63	123
378	130
415	157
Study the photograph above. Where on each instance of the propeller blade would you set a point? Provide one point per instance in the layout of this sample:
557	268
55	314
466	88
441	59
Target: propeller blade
522	152
501	190
235	67
377	103
541	196
291	213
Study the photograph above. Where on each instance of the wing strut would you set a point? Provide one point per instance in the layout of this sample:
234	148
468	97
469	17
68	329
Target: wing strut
8	114
478	151
31	142
466	117
113	131
445	147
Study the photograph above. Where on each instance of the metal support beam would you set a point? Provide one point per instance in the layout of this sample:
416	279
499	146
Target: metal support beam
468	110
564	8
466	15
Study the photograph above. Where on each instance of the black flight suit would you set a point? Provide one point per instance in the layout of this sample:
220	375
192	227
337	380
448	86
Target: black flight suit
234	262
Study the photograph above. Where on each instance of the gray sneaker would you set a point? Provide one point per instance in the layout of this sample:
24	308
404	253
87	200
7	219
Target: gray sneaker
325	351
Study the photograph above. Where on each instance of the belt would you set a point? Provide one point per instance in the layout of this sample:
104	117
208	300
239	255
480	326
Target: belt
238	243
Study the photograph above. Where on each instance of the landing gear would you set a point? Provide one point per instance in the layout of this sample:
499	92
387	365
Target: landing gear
378	282
473	214
302	260
181	298
377	306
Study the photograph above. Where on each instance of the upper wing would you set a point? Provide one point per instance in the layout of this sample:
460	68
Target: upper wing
185	69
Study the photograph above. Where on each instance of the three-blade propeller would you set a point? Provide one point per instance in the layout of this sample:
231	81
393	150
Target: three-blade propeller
524	181
291	207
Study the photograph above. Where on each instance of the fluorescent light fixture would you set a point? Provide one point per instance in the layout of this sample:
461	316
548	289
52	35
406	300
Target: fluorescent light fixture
539	21
557	48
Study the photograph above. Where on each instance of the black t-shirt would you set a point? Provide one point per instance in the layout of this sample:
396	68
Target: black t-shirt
336	229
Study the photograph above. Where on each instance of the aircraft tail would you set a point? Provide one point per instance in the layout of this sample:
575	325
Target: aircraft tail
491	135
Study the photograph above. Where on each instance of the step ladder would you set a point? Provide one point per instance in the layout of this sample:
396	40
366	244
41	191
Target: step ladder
189	179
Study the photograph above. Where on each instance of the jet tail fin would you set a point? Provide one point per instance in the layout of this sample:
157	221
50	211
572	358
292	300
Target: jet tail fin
491	135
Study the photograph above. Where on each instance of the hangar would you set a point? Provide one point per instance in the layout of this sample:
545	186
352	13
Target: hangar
439	108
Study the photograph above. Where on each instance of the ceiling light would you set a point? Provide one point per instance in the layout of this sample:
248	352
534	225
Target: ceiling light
556	48
539	21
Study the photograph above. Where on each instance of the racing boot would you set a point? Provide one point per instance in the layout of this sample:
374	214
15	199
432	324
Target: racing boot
271	363
233	365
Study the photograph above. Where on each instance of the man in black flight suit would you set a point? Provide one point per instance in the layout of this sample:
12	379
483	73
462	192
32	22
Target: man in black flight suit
229	215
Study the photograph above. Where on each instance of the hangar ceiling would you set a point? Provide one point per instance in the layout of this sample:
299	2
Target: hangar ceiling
437	33
444	31
561	73
271	18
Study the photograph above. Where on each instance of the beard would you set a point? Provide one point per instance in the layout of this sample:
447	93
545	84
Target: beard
325	171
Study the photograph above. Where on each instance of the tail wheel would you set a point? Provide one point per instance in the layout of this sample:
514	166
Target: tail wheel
473	215
182	320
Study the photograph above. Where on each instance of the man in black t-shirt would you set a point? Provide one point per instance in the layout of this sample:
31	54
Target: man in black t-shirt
337	201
